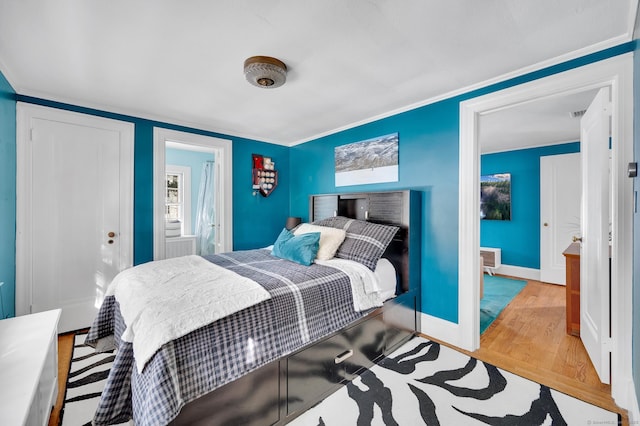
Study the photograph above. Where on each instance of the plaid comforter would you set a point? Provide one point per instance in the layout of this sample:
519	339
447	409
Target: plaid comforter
307	303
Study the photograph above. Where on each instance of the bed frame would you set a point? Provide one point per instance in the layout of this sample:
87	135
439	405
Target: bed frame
278	392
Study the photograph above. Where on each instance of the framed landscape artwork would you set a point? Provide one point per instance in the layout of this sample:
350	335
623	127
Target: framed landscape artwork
495	196
370	161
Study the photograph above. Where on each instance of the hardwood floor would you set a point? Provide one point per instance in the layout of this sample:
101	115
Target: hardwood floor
65	349
528	339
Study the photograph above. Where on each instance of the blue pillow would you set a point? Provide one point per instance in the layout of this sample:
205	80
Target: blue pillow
301	249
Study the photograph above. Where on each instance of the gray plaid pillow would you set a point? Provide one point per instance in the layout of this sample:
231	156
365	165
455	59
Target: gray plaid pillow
365	241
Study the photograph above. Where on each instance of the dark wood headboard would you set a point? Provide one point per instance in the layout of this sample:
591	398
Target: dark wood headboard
399	208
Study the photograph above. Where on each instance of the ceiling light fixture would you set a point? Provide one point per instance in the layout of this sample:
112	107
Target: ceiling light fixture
265	71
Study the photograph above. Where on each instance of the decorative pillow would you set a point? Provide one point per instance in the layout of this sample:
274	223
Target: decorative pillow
301	249
330	238
365	242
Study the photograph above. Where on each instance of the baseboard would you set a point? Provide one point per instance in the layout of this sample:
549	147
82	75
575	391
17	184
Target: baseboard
519	272
442	330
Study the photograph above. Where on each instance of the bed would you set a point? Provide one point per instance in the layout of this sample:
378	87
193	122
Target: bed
308	329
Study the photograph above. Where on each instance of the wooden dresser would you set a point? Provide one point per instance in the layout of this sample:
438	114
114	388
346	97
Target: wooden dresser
572	257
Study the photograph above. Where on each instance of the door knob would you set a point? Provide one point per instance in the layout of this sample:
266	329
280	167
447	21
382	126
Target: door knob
111	234
576	239
545	224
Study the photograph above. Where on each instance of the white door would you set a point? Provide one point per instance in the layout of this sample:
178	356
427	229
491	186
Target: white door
74	211
594	256
560	190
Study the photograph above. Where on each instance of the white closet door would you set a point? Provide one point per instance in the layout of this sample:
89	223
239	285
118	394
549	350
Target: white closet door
75	222
560	189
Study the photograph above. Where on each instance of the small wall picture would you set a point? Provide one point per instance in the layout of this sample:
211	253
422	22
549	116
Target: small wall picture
495	196
264	176
370	161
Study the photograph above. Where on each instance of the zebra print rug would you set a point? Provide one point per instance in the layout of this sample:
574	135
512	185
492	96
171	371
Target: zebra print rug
87	377
426	383
421	383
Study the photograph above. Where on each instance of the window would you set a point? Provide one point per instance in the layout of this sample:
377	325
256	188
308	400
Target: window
178	197
174	197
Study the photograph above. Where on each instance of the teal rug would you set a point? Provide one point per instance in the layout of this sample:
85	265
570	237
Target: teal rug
498	292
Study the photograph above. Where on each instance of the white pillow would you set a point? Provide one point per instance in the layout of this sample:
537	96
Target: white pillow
330	239
386	274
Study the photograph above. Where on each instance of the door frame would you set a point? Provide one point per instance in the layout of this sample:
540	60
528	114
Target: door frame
24	113
223	152
617	73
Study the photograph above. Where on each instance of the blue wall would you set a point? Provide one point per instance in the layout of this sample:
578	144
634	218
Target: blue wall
429	138
194	160
257	220
7	197
519	238
428	160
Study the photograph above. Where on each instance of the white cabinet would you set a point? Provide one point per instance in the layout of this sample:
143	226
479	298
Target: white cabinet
28	368
492	258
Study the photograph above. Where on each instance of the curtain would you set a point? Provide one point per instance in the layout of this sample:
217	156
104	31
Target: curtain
205	213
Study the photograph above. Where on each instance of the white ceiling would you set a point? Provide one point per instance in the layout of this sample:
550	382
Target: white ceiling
350	62
543	122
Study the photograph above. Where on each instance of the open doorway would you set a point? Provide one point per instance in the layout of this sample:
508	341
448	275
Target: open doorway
191	200
549	210
616	74
538	145
175	231
530	192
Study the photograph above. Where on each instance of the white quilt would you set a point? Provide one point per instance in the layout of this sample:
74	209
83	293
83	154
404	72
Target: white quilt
164	300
